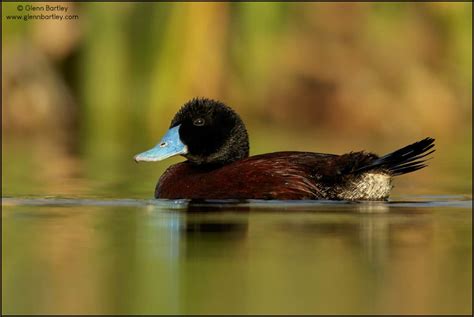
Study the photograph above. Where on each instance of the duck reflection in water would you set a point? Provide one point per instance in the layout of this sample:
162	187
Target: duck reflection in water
376	229
201	218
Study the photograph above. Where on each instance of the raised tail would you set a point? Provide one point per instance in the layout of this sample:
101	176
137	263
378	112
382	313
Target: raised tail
405	160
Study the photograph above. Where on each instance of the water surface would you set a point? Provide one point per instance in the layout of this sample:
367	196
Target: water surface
412	254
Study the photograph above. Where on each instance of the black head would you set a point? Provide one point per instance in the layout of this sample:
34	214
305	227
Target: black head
206	132
212	132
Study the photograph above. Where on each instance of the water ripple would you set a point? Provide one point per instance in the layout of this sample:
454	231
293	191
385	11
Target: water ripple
406	201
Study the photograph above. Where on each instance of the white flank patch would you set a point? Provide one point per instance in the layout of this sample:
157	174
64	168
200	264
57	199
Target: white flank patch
369	186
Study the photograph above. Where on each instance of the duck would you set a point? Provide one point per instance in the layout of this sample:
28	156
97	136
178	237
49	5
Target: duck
214	140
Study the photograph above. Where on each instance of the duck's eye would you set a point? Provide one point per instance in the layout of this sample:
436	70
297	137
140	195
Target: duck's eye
198	122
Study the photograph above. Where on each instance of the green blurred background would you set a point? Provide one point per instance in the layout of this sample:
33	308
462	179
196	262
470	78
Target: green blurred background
81	97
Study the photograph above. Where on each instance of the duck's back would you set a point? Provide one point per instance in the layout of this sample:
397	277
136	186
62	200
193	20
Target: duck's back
279	175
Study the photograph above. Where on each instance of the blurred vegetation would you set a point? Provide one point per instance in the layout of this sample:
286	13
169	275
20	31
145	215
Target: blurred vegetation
86	95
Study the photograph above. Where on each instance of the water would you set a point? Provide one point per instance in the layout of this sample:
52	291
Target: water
63	255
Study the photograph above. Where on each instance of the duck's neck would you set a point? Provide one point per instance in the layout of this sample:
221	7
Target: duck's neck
235	148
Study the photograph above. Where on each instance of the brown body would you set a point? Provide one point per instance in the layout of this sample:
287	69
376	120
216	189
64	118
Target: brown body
280	175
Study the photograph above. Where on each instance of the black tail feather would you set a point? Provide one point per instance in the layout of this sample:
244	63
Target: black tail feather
405	160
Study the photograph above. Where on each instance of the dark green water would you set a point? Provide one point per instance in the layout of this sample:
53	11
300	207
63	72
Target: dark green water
410	255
